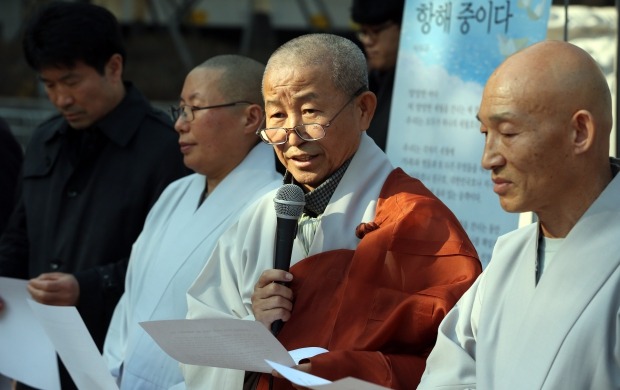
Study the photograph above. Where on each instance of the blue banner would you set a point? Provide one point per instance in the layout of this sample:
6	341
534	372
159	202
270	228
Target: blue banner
447	51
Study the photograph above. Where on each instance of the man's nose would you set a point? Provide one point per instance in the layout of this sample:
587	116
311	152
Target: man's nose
292	138
491	156
61	98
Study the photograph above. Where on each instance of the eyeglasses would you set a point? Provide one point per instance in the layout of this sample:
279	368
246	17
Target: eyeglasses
187	112
370	33
306	131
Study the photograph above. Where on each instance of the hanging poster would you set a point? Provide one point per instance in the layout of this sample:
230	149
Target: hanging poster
447	51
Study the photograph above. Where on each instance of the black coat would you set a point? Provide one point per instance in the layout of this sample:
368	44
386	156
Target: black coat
84	201
382	84
11	156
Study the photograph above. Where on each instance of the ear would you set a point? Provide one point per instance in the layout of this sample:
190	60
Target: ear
114	67
583	131
253	118
366	103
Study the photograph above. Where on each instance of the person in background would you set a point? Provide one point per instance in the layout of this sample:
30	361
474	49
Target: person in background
220	110
378	259
11	156
545	314
379	32
91	173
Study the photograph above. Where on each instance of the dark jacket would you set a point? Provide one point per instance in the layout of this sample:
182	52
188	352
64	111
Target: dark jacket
85	196
382	84
11	156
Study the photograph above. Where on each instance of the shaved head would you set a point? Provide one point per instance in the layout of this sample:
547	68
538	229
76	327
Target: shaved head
343	59
240	78
546	115
560	78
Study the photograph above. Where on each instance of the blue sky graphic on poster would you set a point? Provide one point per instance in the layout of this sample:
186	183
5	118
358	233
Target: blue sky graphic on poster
447	51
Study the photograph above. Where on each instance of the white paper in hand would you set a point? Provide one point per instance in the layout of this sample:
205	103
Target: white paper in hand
298	377
32	358
75	346
226	343
317	383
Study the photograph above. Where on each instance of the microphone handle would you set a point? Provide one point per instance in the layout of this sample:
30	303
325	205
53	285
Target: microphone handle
285	235
276	326
286	232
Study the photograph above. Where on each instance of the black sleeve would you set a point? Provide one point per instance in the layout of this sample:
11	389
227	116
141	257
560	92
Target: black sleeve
11	157
14	246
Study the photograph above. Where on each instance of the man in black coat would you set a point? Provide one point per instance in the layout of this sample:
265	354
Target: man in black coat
91	173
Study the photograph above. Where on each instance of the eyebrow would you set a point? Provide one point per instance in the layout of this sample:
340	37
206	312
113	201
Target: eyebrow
63	78
190	97
303	97
502	116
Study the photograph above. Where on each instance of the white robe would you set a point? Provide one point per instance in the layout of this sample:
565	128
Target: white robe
507	332
225	285
177	238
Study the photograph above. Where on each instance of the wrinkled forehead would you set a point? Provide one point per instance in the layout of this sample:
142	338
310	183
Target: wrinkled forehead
294	73
297	82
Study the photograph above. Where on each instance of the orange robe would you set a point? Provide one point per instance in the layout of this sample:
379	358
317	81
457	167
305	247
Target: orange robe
377	308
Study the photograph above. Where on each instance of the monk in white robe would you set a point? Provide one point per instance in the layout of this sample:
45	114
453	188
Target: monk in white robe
183	226
545	314
378	260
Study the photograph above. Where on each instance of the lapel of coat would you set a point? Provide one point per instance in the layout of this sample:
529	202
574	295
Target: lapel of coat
355	199
507	290
180	230
581	266
191	232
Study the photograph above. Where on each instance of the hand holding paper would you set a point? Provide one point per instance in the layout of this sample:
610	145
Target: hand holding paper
243	345
314	382
32	359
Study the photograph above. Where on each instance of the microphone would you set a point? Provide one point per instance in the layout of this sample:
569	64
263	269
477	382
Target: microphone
289	204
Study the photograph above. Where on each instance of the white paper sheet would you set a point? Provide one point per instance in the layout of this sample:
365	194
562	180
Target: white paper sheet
298	377
304	353
75	346
301	378
27	355
226	343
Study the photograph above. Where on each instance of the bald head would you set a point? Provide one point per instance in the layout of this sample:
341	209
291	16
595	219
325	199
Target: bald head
561	78
240	77
341	57
546	117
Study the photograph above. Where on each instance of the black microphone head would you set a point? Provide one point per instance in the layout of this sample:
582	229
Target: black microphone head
289	201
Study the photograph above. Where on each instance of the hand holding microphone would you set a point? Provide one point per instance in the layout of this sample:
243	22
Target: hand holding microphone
289	204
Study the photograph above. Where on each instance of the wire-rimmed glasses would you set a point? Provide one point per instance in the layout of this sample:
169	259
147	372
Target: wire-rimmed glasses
305	131
187	112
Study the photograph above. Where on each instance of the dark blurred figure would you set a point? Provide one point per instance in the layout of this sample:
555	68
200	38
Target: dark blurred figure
379	34
91	173
11	157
